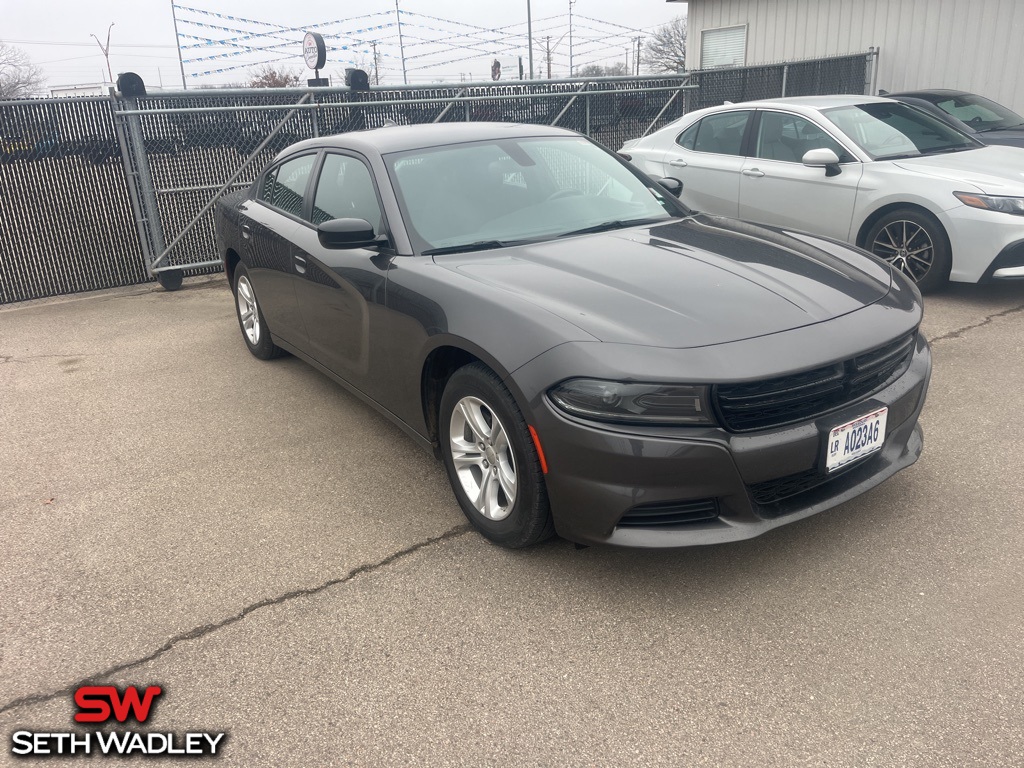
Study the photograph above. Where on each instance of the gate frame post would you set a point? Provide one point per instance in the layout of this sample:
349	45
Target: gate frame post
142	190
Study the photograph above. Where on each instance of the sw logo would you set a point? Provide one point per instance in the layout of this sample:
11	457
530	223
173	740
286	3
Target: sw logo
103	703
97	702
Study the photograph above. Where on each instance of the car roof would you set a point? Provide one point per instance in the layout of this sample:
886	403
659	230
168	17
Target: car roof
399	138
930	92
819	102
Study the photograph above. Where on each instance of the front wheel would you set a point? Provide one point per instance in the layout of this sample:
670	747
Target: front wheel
915	244
491	460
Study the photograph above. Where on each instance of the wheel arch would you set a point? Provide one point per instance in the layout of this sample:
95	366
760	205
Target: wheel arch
445	356
231	259
878	213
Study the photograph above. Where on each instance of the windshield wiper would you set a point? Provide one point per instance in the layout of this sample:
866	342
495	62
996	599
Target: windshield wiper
480	245
943	150
902	156
607	226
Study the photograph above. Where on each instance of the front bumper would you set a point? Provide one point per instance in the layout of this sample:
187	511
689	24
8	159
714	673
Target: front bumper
600	473
983	243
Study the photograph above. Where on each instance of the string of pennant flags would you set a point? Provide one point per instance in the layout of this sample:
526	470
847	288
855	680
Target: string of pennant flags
432	45
244	49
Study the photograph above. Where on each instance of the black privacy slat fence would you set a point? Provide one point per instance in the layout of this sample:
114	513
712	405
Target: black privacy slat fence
66	222
101	192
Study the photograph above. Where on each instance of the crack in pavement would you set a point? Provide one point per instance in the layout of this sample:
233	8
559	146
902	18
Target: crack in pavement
207	629
961	331
26	358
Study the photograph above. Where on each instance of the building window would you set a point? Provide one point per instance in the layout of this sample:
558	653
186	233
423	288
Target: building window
723	47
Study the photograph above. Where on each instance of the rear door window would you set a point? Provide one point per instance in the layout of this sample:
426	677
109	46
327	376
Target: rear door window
722	134
284	188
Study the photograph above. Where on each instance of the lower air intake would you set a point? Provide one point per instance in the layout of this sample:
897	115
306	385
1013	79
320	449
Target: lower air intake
663	514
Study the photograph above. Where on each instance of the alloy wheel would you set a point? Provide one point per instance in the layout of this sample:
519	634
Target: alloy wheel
907	246
483	458
248	311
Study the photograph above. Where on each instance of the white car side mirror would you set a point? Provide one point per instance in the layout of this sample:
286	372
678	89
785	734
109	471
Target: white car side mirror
820	158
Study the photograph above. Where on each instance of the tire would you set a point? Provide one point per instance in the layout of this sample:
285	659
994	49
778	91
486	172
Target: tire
513	511
914	243
255	332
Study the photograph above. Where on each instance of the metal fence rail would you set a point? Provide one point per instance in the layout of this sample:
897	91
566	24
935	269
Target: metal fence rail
102	192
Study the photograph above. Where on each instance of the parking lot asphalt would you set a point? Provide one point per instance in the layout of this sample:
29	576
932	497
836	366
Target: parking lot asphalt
292	570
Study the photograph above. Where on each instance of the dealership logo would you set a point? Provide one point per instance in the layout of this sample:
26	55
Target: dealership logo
101	704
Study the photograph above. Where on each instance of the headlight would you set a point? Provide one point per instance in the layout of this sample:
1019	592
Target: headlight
1014	205
636	403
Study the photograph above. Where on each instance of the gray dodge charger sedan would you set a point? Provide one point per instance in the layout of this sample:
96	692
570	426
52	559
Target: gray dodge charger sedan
585	354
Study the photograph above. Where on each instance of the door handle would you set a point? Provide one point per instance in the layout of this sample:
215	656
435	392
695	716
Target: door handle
246	231
677	163
300	263
753	172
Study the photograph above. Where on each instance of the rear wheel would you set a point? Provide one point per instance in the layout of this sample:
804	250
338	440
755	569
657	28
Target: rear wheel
915	244
250	318
491	460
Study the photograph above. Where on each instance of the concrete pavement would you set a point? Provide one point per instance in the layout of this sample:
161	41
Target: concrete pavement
292	570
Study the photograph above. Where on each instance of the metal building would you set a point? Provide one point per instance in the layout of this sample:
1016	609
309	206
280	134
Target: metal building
966	44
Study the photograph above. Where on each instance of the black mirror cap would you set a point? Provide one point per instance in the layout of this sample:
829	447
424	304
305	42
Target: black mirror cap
675	186
347	233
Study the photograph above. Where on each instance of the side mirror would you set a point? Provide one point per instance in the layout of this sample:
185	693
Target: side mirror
820	158
347	233
675	186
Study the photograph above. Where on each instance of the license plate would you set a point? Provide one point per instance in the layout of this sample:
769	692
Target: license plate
855	439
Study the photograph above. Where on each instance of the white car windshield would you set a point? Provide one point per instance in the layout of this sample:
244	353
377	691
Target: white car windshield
893	131
502	192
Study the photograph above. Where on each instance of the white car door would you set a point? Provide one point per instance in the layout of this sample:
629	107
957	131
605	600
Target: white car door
707	157
777	188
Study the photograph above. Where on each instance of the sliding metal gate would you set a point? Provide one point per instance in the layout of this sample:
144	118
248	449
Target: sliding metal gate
108	191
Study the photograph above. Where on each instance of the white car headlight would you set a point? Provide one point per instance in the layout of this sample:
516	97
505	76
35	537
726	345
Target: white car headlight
1014	205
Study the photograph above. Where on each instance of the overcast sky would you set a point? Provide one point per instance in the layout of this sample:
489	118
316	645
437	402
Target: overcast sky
57	36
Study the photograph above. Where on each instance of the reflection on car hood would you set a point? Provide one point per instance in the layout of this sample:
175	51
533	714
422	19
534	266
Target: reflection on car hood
694	282
1013	137
993	169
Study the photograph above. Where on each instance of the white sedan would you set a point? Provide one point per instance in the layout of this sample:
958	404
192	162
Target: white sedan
920	194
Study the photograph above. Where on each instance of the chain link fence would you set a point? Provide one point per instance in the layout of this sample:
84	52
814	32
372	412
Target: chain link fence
104	192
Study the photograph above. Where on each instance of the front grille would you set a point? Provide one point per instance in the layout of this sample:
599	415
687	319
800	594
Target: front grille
666	513
802	396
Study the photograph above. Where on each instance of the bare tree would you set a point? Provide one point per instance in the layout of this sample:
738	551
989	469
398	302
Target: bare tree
618	69
19	77
665	50
269	76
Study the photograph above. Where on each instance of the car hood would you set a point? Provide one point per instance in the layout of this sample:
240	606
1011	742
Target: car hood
692	282
992	169
1012	137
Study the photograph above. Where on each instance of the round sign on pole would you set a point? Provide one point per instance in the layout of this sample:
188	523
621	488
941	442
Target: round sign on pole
314	50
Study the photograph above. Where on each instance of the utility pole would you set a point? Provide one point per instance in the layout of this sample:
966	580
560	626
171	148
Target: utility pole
529	34
106	51
547	48
639	43
570	37
177	44
401	45
376	68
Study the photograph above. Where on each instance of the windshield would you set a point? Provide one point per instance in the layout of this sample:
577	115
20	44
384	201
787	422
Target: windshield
891	131
505	191
977	111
